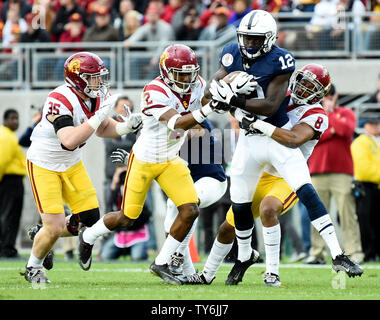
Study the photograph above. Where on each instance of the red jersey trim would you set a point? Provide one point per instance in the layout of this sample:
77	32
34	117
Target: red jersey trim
155	87
60	97
313	111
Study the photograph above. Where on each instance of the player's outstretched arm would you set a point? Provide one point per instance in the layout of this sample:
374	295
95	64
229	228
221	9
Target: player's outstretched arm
220	74
293	138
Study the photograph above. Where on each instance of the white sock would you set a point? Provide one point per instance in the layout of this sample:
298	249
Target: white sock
272	240
94	232
215	258
169	247
183	247
326	229
244	239
34	261
188	267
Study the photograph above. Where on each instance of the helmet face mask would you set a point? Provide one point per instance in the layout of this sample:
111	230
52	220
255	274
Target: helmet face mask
310	84
86	72
257	33
179	68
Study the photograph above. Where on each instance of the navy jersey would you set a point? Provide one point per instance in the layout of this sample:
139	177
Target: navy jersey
276	62
204	155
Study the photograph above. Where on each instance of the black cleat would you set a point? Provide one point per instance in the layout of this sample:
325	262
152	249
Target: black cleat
343	263
84	252
194	279
35	275
162	271
237	272
272	280
176	264
49	259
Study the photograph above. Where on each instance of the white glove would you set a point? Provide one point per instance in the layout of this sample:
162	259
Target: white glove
221	91
120	156
131	123
106	109
242	84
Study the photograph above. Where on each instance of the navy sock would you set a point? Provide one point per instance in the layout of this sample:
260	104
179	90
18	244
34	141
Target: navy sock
309	197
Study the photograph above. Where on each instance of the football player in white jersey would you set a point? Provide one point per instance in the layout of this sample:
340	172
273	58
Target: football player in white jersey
171	104
308	120
71	114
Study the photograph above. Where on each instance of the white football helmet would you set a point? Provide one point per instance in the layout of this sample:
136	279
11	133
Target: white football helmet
257	23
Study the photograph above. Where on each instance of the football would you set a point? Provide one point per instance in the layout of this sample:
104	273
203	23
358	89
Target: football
231	76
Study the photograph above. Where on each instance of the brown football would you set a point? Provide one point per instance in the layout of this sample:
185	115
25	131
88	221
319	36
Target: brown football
231	76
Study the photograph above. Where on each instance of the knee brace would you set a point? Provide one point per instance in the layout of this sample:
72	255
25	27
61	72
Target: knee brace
89	217
242	215
309	197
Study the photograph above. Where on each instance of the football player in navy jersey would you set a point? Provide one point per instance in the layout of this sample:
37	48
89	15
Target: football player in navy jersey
271	67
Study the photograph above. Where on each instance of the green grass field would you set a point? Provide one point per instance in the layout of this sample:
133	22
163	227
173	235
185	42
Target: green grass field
125	280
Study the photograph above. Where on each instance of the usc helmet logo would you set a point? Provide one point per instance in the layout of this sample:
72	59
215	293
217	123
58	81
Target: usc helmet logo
74	65
163	57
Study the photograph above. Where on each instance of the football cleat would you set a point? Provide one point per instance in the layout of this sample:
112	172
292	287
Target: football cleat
49	259
35	275
84	252
343	263
176	264
272	280
237	272
194	279
162	271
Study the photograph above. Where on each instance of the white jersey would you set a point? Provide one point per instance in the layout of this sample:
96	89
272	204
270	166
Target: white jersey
315	116
46	150
157	143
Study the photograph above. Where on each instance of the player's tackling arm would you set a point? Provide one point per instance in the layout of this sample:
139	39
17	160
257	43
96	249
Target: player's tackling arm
295	137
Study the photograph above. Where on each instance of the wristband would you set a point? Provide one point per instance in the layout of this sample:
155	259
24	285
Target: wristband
198	116
172	121
94	122
206	109
264	127
238	101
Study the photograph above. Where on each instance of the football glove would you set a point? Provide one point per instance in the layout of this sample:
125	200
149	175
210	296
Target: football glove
242	84
107	108
120	156
130	123
247	125
219	107
221	91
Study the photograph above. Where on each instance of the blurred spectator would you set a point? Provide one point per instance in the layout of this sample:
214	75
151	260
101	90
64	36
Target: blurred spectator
170	9
240	9
206	15
24	139
13	27
21	6
190	29
34	32
220	28
99	5
111	144
12	172
74	32
44	9
69	7
273	6
120	20
365	151
132	23
179	16
102	30
331	169
154	30
372	33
